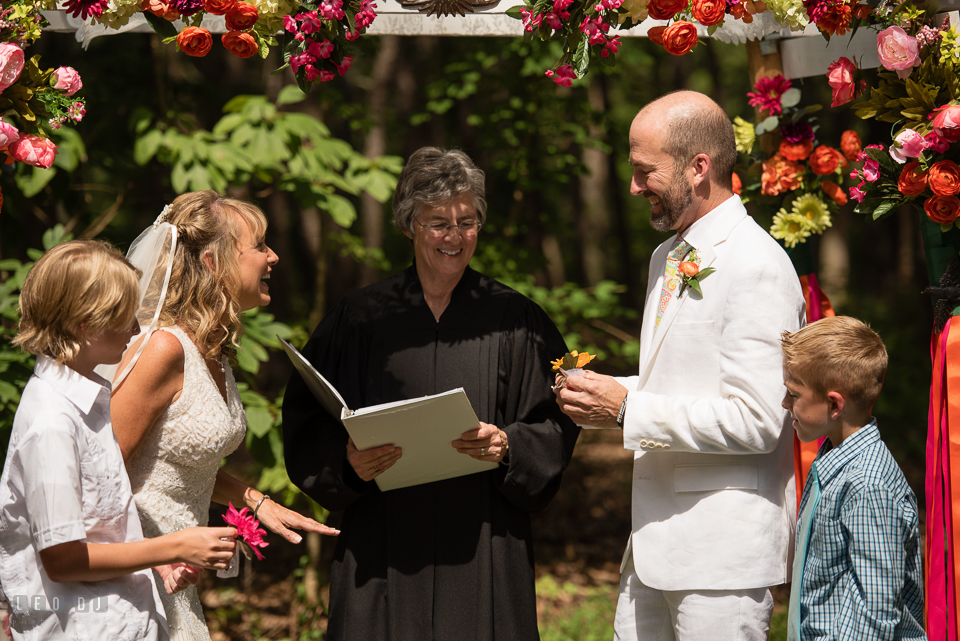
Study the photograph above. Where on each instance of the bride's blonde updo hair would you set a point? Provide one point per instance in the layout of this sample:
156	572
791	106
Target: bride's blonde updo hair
202	301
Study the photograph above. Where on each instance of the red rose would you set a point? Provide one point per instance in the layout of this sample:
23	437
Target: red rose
737	185
913	180
833	190
689	269
195	41
219	7
944	178
655	35
680	37
942	209
796	150
242	17
826	160
709	12
850	144
240	43
665	9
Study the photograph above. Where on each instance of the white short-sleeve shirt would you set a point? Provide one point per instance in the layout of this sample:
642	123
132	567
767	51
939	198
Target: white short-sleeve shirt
64	480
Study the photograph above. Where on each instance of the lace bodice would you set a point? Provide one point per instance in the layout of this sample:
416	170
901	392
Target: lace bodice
173	471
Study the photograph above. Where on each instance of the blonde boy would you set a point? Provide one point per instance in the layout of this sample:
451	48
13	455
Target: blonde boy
857	573
73	562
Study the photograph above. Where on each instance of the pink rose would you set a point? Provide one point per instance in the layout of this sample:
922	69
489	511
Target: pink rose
8	134
936	143
898	51
35	151
66	79
911	143
840	79
11	64
871	170
946	124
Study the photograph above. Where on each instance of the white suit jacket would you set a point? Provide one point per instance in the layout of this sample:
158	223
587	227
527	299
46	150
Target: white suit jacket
714	501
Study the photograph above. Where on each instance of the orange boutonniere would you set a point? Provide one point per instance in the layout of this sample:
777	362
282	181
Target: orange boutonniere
691	274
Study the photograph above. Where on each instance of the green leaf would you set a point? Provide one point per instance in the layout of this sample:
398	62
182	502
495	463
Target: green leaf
340	209
146	146
514	11
790	97
767	125
290	95
259	420
32	180
163	27
695	285
886	207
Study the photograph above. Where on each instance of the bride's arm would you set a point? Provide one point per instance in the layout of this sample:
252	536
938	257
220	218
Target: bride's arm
272	515
154	383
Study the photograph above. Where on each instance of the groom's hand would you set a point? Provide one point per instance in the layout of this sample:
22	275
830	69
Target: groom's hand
592	399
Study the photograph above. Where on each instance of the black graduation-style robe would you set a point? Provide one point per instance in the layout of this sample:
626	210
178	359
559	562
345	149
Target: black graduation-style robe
450	560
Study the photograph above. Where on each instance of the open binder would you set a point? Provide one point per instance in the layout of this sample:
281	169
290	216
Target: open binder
422	427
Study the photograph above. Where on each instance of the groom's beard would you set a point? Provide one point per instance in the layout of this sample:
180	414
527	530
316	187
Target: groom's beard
673	203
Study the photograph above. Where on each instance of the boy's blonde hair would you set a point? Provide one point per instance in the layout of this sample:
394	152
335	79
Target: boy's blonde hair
84	283
204	303
837	354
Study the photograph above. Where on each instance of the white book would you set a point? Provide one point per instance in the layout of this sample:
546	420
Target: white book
422	427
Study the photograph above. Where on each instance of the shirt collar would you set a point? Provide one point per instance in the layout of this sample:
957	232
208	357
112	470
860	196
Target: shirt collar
830	460
77	388
716	225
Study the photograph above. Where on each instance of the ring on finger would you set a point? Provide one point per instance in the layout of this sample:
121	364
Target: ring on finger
376	469
483	451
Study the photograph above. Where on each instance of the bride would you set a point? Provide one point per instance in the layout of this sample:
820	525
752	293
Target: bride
175	407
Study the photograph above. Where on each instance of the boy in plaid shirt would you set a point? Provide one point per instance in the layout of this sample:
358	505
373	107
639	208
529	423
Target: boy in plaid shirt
857	573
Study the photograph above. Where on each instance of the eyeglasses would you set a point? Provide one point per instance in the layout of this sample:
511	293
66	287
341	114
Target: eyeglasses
439	228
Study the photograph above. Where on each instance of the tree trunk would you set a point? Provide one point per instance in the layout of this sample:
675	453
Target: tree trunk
376	145
594	222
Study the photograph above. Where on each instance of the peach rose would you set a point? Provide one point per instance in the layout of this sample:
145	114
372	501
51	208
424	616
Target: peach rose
689	269
737	185
34	151
850	145
240	43
796	150
826	160
833	190
942	209
11	64
913	179
219	7
709	12
898	51
946	124
665	9
944	178
680	37
8	134
779	175
195	41
242	17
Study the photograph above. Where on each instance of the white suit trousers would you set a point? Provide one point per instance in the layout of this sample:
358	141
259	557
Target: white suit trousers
645	614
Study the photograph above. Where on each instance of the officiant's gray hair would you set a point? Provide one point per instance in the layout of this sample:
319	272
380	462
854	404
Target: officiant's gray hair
435	176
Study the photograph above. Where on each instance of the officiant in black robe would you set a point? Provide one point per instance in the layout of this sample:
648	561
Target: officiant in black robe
449	560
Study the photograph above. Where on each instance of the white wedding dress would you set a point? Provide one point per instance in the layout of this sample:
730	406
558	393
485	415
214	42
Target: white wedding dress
173	471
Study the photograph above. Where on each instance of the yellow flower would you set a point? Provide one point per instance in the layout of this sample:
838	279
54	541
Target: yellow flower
814	211
635	9
790	228
572	360
744	134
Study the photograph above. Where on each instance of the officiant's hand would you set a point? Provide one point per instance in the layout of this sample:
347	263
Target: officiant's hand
369	464
487	443
592	399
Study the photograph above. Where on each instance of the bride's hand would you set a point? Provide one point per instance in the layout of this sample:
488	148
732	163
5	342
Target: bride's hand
279	519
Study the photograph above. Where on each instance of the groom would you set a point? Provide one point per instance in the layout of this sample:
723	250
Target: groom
713	490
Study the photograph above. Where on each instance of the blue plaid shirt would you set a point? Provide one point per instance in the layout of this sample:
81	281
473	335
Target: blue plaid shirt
863	578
